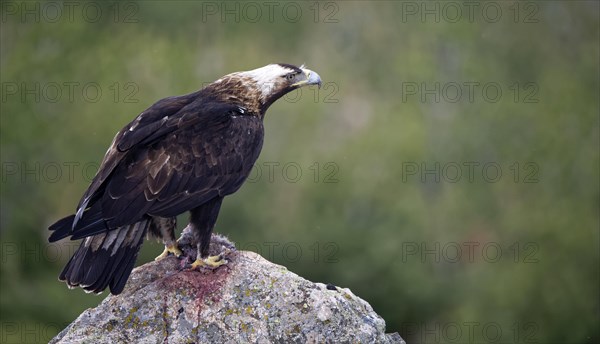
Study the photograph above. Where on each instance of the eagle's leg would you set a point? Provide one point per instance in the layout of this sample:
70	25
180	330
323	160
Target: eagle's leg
164	228
202	221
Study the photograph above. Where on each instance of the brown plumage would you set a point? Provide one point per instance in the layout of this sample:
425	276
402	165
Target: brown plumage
184	153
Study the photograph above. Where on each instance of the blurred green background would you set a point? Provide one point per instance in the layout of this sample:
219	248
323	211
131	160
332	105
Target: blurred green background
364	183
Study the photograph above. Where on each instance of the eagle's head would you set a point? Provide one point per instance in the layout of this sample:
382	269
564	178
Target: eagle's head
257	89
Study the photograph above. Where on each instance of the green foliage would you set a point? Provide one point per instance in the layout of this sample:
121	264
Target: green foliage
355	216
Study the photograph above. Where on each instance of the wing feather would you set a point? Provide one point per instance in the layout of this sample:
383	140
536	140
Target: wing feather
146	125
193	156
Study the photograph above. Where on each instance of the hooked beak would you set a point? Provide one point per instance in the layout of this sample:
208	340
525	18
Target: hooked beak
312	78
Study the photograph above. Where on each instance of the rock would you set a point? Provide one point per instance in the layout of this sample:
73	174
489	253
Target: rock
248	300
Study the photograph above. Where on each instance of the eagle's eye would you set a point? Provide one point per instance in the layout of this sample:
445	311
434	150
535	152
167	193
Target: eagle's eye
290	76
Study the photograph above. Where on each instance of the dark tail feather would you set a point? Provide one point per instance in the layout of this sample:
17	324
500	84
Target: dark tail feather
105	260
61	229
91	223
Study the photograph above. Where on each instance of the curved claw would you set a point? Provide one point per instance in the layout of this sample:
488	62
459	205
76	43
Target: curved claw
169	249
211	261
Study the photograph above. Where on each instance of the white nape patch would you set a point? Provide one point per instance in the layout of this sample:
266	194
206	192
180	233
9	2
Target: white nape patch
266	77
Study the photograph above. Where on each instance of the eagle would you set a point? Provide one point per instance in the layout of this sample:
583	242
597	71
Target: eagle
183	153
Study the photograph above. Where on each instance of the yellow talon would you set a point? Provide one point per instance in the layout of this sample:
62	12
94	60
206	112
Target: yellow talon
169	249
211	261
